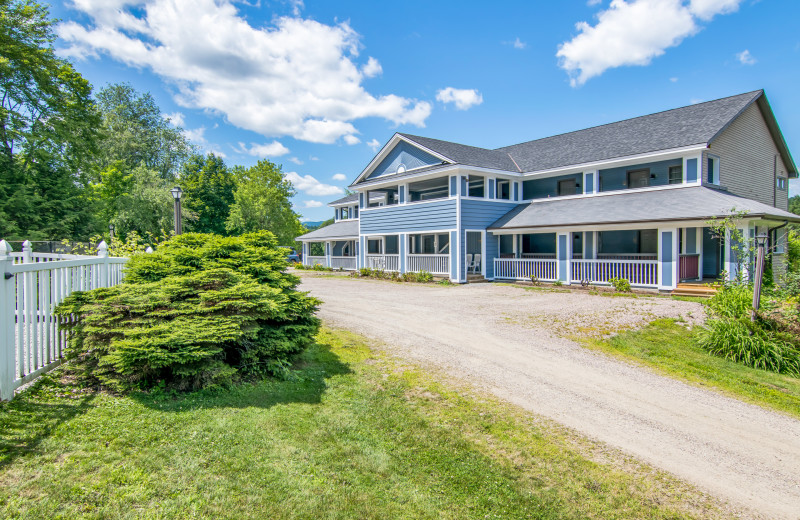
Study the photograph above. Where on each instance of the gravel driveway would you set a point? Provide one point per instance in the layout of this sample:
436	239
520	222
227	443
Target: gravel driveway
507	340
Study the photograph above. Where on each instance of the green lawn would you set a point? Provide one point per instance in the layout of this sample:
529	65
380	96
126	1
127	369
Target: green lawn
671	348
354	435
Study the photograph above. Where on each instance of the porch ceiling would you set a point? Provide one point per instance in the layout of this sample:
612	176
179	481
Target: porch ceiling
696	203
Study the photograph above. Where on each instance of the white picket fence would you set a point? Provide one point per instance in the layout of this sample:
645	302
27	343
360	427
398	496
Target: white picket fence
33	284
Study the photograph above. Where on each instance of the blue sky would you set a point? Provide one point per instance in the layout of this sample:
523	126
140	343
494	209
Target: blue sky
319	86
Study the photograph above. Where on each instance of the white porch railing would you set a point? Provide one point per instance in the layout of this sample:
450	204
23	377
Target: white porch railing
383	262
643	273
435	264
31	339
314	260
524	269
349	263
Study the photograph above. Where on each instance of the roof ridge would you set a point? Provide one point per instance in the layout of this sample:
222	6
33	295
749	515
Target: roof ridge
759	91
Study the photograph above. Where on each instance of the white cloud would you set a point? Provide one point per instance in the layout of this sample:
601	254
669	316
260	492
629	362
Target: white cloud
633	33
273	149
340	177
312	158
374	144
695	101
745	58
707	9
176	119
295	160
351	139
312	204
196	135
311	186
673	79
293	77
592	3
517	43
372	68
462	98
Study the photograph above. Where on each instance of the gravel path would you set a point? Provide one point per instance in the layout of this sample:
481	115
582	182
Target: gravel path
501	338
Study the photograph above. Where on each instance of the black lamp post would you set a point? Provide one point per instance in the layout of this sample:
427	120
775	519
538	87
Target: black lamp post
177	192
761	243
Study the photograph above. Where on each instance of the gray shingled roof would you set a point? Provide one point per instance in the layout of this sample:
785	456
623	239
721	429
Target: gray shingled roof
347	229
691	203
353	197
463	154
686	126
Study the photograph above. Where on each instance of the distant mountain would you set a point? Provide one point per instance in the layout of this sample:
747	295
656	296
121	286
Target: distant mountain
313	224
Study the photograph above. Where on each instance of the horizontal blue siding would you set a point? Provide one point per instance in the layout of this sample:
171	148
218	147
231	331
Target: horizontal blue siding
427	216
480	214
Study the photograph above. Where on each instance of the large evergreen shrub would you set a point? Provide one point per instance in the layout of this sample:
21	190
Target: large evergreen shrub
202	310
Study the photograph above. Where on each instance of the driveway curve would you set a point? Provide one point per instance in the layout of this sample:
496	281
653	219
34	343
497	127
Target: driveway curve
501	338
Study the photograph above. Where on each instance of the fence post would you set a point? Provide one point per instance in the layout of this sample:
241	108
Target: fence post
27	252
102	252
8	361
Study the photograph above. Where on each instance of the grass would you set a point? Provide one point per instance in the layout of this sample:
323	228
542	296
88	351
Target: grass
672	349
352	435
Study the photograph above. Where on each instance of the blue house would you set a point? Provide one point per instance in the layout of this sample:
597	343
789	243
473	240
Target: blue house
630	199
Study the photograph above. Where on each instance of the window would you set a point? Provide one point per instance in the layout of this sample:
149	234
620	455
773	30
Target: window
475	186
566	187
345	213
503	189
374	246
781	183
355	211
713	169
639	178
676	174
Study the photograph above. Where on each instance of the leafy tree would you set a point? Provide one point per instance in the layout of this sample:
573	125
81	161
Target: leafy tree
203	310
262	201
48	130
146	207
135	133
794	204
208	187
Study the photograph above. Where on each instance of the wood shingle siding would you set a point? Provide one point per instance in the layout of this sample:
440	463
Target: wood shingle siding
747	155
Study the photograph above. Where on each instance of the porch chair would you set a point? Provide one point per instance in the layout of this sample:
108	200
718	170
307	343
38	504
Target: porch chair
476	265
469	262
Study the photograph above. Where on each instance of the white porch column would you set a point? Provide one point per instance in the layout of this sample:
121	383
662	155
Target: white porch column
514	248
668	258
327	254
564	256
402	249
305	253
699	249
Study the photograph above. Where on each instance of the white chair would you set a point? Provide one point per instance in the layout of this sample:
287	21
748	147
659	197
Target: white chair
476	264
469	262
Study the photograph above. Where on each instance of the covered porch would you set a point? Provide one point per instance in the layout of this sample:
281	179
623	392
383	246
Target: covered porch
334	246
654	258
409	252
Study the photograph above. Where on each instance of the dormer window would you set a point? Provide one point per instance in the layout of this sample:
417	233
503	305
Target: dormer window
345	213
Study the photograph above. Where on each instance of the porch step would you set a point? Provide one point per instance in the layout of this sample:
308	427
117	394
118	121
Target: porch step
693	289
476	278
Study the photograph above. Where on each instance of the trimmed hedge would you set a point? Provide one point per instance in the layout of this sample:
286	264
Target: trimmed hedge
203	310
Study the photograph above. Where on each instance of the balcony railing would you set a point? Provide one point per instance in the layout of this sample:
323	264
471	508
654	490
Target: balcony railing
349	263
435	264
642	273
383	262
524	269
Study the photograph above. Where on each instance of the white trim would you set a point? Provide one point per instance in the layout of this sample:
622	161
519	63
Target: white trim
457	259
598	227
605	193
407	204
389	146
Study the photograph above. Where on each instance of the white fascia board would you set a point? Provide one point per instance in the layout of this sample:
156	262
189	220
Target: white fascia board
342	204
672	153
653	224
396	138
